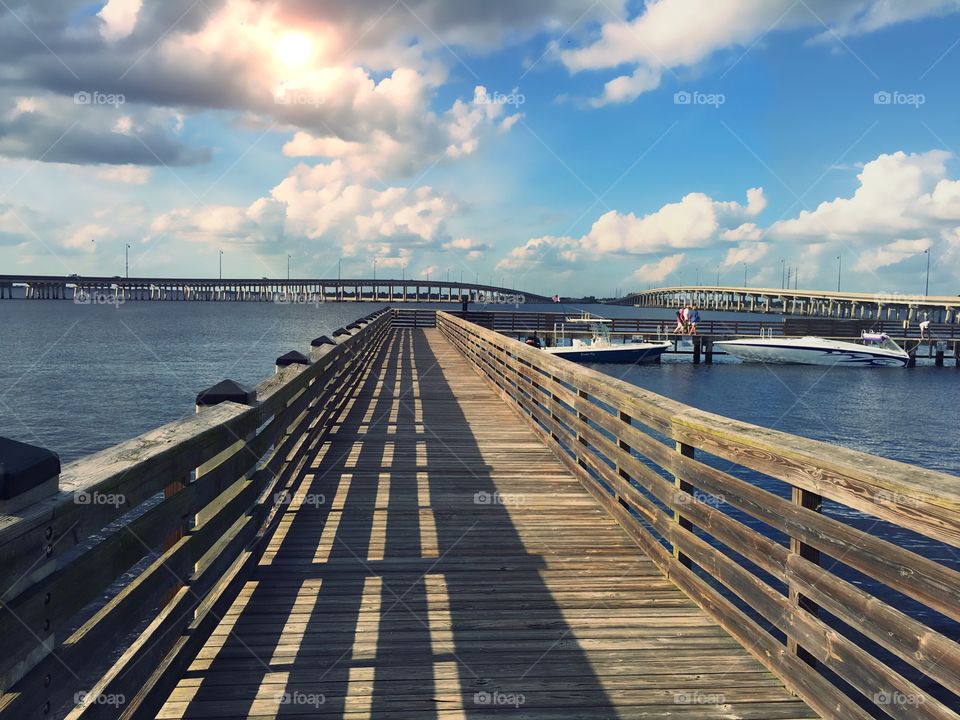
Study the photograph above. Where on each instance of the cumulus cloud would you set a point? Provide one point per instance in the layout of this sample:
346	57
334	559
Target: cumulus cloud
322	203
558	254
900	195
663	36
905	203
119	18
693	222
421	140
262	223
467	248
891	253
660	270
749	253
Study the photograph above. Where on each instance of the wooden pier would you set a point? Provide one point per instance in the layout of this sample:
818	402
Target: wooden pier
445	523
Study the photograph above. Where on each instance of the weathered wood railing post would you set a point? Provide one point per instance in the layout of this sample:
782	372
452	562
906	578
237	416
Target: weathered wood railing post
687	490
810	501
224	391
28	474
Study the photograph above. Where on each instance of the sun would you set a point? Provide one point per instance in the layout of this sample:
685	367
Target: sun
293	49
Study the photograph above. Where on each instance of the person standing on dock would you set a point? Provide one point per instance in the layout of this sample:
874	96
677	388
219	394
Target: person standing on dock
693	320
925	328
681	327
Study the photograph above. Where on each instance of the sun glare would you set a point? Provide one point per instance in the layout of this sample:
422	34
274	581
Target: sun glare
293	49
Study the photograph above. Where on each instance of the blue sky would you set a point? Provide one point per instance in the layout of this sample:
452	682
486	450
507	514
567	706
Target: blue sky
548	145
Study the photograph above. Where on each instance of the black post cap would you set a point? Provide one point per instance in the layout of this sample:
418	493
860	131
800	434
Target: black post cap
292	358
24	467
321	341
226	391
340	331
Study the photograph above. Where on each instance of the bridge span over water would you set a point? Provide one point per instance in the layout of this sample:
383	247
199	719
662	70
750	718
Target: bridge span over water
91	288
811	303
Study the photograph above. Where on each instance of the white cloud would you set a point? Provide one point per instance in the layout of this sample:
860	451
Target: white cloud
900	196
127	174
658	271
682	33
260	223
747	231
891	254
119	18
559	254
85	238
693	222
468	249
749	253
420	140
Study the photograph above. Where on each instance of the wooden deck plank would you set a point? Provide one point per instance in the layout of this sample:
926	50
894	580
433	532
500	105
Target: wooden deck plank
438	561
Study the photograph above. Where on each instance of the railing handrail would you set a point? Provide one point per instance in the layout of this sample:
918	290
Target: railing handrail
242	455
600	427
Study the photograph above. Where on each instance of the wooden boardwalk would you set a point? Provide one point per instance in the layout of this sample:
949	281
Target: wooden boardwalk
438	561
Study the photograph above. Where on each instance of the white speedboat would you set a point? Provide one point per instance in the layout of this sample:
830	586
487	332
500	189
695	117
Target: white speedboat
601	349
873	350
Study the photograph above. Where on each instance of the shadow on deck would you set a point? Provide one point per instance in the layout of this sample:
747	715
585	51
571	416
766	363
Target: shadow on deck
437	561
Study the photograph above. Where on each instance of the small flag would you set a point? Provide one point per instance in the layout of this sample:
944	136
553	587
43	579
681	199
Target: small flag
556	298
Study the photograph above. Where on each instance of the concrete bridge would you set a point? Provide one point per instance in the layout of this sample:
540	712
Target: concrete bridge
118	289
810	303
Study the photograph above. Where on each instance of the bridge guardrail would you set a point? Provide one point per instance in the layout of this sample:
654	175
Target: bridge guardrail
752	558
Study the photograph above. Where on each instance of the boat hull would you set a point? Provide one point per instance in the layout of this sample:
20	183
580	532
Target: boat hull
632	355
837	355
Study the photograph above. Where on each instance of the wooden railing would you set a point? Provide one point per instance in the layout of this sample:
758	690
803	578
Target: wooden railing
131	562
796	586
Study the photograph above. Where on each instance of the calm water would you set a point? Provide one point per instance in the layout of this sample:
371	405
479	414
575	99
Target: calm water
79	378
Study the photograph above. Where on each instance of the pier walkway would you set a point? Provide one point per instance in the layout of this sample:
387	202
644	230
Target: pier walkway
446	523
459	568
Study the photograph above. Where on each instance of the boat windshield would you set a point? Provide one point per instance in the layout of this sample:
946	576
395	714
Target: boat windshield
880	340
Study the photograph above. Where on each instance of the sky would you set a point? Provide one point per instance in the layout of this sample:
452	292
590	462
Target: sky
556	146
